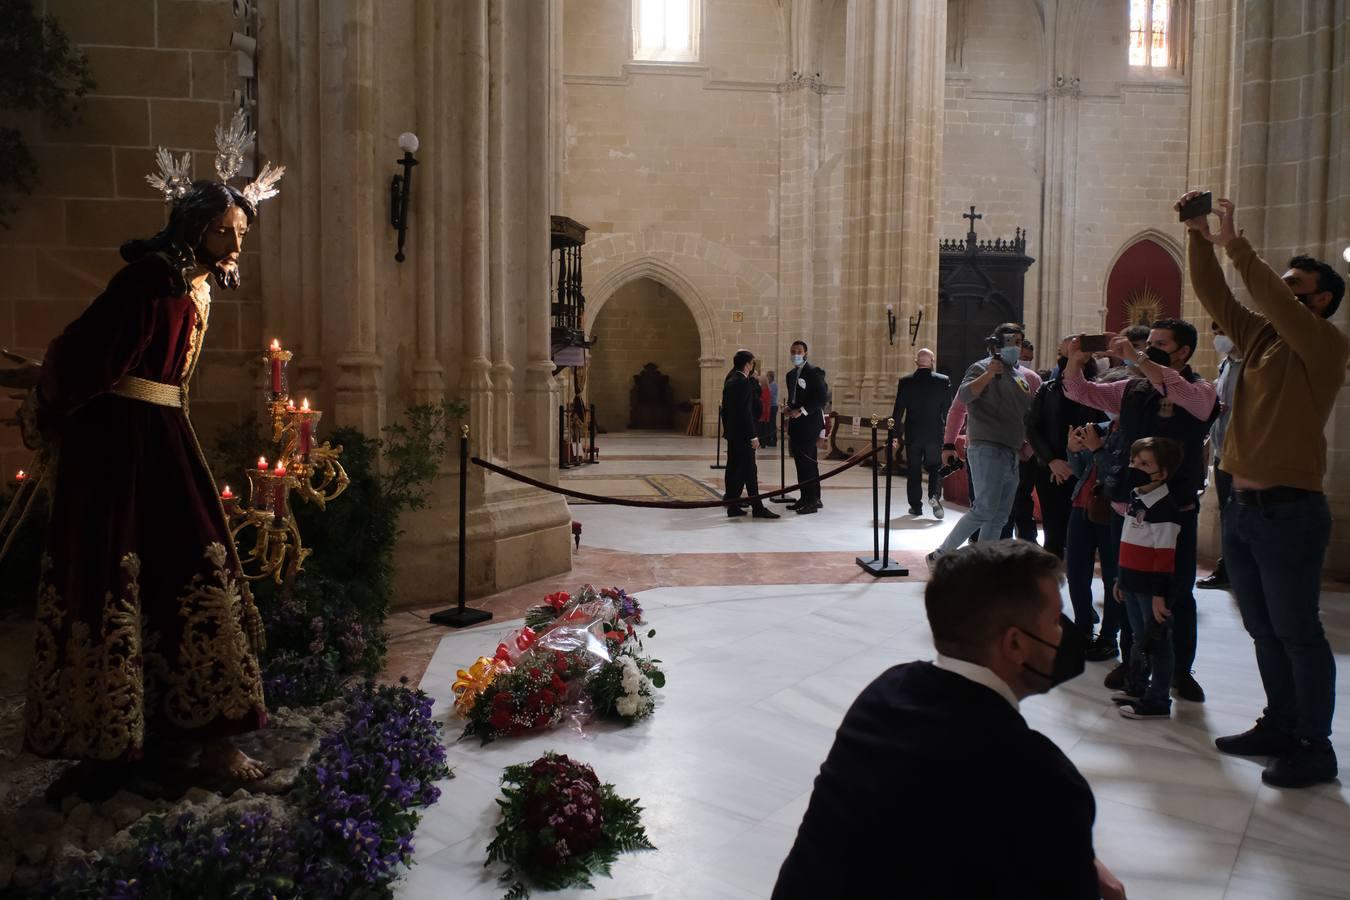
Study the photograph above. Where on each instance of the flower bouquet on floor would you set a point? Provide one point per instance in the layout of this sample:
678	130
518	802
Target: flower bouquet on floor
560	826
576	655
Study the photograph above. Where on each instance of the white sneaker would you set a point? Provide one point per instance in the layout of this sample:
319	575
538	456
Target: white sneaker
937	508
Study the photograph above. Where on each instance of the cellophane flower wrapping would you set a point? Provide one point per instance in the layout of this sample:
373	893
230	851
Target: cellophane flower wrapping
577	656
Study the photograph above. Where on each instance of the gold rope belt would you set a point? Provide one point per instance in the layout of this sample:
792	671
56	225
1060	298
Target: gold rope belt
147	391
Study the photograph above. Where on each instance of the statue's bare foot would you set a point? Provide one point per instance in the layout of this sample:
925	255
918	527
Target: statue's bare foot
223	759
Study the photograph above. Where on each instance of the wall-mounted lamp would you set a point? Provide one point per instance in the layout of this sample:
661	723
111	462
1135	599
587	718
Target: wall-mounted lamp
890	322
1345	255
400	188
914	327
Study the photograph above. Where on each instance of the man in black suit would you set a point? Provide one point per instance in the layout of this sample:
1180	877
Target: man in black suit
921	403
738	429
935	786
807	394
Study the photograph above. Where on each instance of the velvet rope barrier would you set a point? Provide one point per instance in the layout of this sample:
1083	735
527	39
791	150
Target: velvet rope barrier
852	461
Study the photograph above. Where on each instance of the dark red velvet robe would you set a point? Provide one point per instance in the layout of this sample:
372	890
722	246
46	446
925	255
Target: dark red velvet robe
143	624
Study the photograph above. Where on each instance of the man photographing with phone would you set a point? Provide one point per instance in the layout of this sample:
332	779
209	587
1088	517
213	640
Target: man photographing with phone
1277	524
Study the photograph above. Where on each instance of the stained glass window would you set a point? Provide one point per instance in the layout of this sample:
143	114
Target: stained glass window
1149	33
665	30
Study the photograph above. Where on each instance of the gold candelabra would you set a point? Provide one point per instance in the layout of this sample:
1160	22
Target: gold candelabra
311	470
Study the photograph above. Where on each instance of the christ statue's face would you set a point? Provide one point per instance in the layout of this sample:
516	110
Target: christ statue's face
221	245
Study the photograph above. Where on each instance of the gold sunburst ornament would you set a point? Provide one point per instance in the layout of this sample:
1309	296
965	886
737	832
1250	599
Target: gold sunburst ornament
1143	306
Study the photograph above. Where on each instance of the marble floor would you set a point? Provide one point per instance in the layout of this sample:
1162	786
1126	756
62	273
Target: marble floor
764	652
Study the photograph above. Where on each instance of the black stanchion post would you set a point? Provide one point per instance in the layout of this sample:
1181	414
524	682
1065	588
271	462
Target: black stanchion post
592	455
460	615
717	463
782	460
880	566
562	438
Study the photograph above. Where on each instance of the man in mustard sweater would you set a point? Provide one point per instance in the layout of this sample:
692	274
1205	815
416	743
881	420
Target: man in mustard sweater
1277	524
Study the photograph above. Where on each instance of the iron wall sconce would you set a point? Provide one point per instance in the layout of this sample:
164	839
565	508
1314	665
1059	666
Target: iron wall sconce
400	189
890	322
914	327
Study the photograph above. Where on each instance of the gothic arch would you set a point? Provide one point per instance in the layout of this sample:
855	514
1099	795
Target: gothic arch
668	275
1144	272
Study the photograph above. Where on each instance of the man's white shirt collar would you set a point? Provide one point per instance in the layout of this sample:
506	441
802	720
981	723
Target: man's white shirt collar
980	675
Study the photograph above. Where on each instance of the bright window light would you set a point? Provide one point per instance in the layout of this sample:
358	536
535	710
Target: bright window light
665	30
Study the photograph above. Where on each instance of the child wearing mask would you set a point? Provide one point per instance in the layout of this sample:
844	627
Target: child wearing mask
1145	569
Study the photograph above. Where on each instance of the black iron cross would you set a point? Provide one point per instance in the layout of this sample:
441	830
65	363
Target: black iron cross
972	216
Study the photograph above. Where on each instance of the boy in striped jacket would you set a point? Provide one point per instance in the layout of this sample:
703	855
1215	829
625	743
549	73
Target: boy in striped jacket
1147	564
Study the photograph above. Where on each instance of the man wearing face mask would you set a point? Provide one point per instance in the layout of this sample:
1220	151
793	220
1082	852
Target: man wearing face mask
1230	365
996	393
1170	401
1278	525
807	395
901	805
921	402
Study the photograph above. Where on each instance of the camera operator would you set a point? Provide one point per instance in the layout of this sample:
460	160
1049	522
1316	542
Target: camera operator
1169	401
997	393
1277	524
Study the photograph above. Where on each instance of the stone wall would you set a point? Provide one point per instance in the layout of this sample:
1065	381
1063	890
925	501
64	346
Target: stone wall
165	75
643	321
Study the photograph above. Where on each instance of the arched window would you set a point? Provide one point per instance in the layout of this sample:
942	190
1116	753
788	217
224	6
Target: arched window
1152	34
665	30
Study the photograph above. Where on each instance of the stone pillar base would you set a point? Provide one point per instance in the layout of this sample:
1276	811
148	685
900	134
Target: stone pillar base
514	537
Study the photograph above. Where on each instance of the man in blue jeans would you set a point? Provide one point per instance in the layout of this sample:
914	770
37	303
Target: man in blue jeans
1277	524
997	393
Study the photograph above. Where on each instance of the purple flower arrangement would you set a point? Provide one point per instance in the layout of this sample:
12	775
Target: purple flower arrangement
356	807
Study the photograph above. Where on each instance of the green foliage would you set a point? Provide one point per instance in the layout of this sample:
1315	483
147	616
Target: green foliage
40	71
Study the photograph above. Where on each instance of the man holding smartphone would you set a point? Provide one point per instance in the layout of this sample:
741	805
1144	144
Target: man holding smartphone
1277	524
1169	401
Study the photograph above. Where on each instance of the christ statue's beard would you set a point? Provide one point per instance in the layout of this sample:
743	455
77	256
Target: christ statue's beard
226	274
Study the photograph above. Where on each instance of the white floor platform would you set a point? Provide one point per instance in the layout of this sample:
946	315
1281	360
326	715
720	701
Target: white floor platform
759	680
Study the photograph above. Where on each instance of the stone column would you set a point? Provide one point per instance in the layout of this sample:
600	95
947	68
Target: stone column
428	373
1268	119
360	398
894	92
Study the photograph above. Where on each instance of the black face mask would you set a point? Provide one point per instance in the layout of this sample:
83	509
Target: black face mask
1138	477
1070	654
1159	356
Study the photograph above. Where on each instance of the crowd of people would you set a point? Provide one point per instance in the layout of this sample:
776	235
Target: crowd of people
1120	433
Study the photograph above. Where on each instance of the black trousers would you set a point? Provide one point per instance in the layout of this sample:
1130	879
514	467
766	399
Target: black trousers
920	457
1022	519
802	447
1056	504
742	474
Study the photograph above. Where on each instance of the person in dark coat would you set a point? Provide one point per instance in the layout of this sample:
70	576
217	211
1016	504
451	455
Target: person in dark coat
1048	422
921	403
936	787
739	397
807	395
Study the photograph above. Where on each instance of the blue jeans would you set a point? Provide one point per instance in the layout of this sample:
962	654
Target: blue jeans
1086	542
1274	555
993	471
1152	677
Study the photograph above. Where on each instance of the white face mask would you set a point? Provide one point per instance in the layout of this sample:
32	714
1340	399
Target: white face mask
1223	344
798	359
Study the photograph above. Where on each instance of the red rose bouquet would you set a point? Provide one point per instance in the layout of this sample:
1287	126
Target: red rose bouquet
528	698
560	826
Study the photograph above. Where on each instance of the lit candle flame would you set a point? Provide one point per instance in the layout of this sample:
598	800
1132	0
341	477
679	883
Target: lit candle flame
276	345
226	494
262	464
280	470
304	406
21	476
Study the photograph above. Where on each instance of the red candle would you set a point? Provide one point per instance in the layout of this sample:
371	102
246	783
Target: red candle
21	477
306	430
262	464
279	498
227	494
276	366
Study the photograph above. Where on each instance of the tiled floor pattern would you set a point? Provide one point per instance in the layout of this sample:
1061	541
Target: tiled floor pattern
760	676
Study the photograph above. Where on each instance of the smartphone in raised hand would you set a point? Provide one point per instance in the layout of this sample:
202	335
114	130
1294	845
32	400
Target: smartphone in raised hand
1094	343
1201	205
